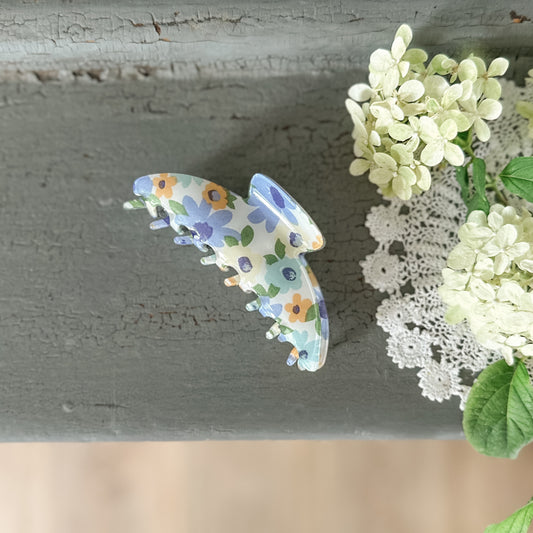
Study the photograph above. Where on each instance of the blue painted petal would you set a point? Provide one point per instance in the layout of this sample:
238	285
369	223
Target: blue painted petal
271	223
220	218
257	216
191	207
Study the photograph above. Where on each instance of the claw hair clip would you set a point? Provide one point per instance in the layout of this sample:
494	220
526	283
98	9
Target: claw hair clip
263	238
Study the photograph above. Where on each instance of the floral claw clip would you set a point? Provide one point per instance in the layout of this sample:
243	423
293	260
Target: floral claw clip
263	238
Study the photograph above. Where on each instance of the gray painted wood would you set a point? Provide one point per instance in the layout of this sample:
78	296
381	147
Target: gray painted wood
110	332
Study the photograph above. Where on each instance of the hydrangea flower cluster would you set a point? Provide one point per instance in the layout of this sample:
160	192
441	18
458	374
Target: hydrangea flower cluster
410	113
526	108
489	280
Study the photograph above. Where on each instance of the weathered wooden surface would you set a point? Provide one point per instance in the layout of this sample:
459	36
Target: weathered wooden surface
108	331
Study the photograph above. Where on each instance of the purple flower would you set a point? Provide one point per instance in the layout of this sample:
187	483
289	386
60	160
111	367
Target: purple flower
209	226
271	202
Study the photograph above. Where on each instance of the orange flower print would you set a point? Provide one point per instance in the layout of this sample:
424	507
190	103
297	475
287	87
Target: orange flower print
298	308
163	185
215	195
318	243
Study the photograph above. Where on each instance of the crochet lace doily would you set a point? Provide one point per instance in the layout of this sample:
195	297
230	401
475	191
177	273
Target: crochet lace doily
414	239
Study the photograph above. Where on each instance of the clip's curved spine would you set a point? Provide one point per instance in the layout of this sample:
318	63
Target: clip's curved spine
263	238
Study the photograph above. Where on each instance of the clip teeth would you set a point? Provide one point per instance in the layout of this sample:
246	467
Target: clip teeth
160	224
293	357
208	259
274	331
183	240
233	281
254	305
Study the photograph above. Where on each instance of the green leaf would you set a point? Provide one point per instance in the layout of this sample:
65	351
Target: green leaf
318	326
260	290
285	329
498	417
517	177
230	240
272	290
177	208
136	203
270	259
279	248
518	522
479	175
247	235
231	200
461	175
312	313
477	199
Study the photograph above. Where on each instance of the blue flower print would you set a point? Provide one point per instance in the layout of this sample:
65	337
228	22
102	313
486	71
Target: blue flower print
271	202
306	349
285	274
208	226
185	180
269	309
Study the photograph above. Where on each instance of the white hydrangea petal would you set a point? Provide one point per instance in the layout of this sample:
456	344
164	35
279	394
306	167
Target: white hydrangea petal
495	220
428	129
506	236
453	154
355	109
448	129
461	257
455	280
462	120
401	187
403	68
407	175
398	48
482	290
400	132
424	177
435	86
518	249
385	161
359	166
526	264
405	33
489	109
510	291
482	130
525	109
498	67
380	176
432	154
381	60
467	89
411	91
480	65
527	350
401	154
390	81
501	263
453	93
492	89
467	70
515	341
415	56
477	217
360	92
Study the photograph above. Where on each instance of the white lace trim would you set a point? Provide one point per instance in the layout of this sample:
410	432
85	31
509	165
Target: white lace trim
414	239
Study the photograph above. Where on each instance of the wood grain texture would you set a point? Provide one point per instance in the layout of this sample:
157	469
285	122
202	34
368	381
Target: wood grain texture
108	331
61	40
401	487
